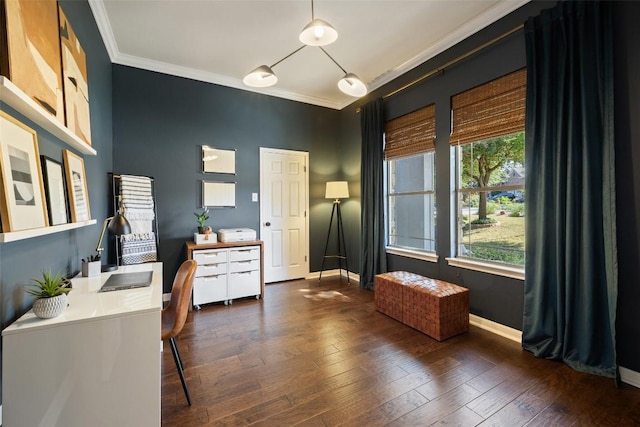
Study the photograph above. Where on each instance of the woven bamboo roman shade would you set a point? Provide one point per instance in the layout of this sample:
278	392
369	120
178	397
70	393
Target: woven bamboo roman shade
411	134
491	110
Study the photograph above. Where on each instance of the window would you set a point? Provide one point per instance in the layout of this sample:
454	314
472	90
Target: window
488	147
410	181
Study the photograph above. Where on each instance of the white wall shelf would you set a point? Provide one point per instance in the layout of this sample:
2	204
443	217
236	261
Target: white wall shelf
35	232
17	99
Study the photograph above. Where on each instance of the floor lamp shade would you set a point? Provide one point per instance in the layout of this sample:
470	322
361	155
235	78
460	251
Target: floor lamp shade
337	190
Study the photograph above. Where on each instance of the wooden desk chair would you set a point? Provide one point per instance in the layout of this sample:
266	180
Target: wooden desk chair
174	314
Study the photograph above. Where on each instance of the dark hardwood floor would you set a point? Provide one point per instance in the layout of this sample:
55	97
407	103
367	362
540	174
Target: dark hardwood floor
318	354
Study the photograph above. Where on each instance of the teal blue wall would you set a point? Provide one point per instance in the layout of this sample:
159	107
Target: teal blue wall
160	124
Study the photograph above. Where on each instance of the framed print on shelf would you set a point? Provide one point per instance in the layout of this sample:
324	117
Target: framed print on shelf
30	43
77	185
75	82
55	190
22	204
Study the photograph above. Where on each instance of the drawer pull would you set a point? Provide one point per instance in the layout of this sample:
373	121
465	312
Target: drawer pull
211	255
213	276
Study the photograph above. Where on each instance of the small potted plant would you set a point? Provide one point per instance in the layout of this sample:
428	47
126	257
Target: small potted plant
205	233
51	295
202	220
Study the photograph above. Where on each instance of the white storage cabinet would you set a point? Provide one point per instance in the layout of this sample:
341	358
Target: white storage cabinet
226	273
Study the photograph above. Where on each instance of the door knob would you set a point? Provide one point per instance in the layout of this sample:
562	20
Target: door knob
267	224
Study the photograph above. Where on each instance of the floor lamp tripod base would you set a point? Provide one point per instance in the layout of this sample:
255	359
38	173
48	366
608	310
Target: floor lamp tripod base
342	253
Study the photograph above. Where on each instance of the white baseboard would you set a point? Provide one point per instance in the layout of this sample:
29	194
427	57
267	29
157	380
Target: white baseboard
336	272
626	375
630	377
496	328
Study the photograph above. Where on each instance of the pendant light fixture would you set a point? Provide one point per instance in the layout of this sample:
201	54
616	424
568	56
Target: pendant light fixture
316	33
263	76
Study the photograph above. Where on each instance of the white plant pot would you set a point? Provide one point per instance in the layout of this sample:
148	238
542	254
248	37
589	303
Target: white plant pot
46	308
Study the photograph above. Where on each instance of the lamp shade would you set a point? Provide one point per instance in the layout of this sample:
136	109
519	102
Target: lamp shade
263	76
337	190
352	85
119	225
318	33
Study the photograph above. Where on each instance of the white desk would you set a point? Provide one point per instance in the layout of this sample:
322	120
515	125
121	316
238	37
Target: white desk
98	364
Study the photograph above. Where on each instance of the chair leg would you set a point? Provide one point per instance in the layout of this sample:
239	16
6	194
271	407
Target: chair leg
178	360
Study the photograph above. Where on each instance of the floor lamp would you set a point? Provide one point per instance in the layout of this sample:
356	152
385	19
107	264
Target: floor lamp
336	190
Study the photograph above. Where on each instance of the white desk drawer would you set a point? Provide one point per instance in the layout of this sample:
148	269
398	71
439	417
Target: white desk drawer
238	266
210	289
244	284
210	256
243	254
211	269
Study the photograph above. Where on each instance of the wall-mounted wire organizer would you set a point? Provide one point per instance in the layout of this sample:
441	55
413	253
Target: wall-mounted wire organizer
134	195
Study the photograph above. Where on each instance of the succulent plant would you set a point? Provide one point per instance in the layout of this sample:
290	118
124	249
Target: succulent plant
49	285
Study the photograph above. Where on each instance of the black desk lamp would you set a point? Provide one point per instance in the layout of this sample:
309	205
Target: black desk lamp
118	225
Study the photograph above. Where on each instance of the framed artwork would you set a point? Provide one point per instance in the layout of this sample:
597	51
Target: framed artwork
55	190
77	185
31	41
74	77
22	204
217	160
218	194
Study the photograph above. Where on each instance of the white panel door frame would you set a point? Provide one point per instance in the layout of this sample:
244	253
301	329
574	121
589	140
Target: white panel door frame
264	151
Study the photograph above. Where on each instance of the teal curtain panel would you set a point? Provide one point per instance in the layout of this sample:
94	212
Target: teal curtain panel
372	245
571	282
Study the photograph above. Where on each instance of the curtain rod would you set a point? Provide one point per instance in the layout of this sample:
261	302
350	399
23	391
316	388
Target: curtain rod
452	62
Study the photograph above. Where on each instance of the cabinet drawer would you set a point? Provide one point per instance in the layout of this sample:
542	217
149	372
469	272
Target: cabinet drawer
244	284
210	289
211	269
210	256
238	266
243	254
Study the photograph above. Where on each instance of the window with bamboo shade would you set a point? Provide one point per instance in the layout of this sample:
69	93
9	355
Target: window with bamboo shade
490	110
487	140
410	181
411	134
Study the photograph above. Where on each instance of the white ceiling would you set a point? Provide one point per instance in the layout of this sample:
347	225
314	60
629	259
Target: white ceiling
220	41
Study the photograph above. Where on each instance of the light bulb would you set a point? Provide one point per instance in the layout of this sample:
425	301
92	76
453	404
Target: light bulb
318	32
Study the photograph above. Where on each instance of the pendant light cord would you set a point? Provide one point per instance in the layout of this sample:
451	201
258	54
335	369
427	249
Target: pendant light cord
331	58
291	54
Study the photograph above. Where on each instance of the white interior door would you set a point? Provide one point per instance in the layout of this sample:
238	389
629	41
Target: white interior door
284	188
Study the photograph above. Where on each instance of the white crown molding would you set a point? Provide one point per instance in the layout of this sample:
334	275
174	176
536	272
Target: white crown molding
204	76
104	27
468	29
473	26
